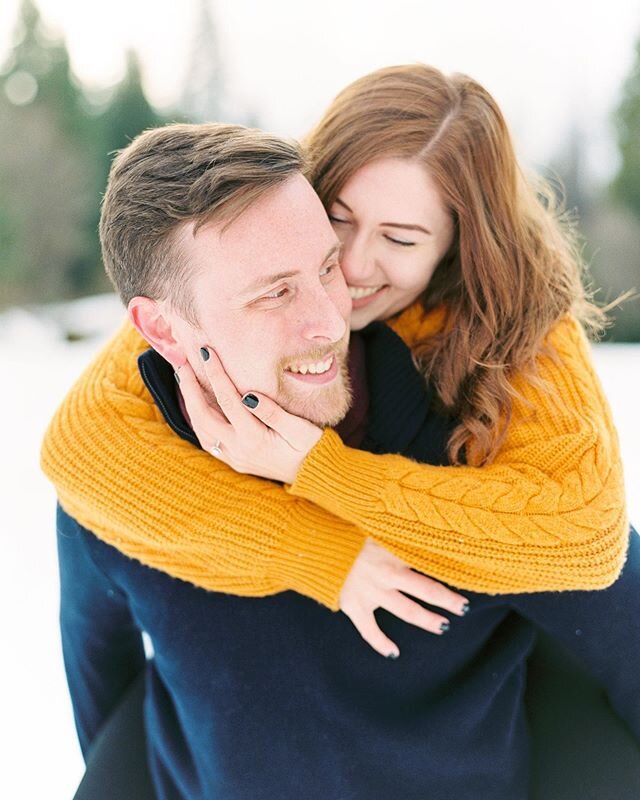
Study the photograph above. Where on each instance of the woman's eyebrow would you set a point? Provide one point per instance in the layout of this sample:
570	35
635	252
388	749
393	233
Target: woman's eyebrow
406	227
343	204
402	225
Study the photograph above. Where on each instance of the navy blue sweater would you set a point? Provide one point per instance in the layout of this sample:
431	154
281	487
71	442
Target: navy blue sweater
277	697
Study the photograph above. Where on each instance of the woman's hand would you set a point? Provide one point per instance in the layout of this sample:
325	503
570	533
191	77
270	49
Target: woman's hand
253	435
378	579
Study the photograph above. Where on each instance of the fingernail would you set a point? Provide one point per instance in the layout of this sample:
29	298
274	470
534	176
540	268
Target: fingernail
250	400
465	609
177	377
444	627
393	655
204	353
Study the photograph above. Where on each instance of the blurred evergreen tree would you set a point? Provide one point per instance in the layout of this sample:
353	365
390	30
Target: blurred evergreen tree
47	178
626	185
127	114
55	152
202	98
626	190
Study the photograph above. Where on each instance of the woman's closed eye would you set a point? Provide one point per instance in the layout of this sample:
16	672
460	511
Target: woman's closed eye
338	220
401	242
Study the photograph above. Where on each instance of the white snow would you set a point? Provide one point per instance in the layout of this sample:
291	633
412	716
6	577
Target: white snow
41	756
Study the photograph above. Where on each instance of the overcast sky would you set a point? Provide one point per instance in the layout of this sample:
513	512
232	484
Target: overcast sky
547	63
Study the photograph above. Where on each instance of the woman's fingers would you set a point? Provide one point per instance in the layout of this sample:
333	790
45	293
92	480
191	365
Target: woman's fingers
208	424
366	625
379	579
245	435
299	433
408	610
227	396
404	608
432	592
256	419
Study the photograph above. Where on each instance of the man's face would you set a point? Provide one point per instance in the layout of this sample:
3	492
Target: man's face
271	300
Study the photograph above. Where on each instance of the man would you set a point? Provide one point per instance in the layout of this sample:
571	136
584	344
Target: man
276	696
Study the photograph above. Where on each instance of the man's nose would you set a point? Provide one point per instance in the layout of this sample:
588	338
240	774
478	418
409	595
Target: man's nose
325	315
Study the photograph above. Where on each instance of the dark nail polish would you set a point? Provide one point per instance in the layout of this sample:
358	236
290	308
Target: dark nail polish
250	400
444	627
465	609
393	656
204	353
177	377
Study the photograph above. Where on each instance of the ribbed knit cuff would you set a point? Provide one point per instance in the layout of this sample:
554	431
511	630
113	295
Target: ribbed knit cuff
315	557
331	479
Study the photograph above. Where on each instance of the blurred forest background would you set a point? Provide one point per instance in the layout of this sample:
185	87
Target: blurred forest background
57	138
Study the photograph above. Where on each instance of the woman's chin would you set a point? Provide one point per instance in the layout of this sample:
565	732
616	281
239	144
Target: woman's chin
360	318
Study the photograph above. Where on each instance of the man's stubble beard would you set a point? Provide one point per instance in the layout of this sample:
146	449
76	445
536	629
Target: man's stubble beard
325	406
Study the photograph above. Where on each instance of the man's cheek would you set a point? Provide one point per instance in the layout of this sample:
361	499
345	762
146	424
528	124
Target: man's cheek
342	304
254	372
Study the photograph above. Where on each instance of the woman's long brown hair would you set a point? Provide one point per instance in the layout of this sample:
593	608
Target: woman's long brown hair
513	269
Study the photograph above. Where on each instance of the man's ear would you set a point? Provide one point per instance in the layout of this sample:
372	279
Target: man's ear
154	323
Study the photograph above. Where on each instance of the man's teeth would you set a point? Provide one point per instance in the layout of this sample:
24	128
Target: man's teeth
315	369
357	292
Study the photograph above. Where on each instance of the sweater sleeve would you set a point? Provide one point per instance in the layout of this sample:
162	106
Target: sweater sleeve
547	514
121	472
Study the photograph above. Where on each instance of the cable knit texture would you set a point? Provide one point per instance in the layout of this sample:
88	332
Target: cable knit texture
548	514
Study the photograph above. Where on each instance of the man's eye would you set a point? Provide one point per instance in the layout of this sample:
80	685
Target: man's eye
328	270
401	242
276	294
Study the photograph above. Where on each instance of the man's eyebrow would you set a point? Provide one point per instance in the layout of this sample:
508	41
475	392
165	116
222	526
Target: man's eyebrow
401	225
262	283
268	280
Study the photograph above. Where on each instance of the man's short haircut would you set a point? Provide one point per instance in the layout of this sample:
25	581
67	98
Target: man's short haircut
168	176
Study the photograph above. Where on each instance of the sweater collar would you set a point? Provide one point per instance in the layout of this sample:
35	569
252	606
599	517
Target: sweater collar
159	379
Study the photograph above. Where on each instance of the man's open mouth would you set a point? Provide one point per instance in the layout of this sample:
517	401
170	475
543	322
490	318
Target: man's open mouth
314	371
315	368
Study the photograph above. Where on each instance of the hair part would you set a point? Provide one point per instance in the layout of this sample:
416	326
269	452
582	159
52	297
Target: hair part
514	267
179	174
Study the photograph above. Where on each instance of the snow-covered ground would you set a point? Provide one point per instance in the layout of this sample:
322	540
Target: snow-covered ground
37	738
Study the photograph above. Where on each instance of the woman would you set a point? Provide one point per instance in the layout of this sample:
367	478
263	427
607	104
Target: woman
446	240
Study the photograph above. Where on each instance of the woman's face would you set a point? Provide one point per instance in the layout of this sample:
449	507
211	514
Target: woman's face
394	230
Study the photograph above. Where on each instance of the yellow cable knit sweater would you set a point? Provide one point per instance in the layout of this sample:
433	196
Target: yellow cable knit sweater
548	514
